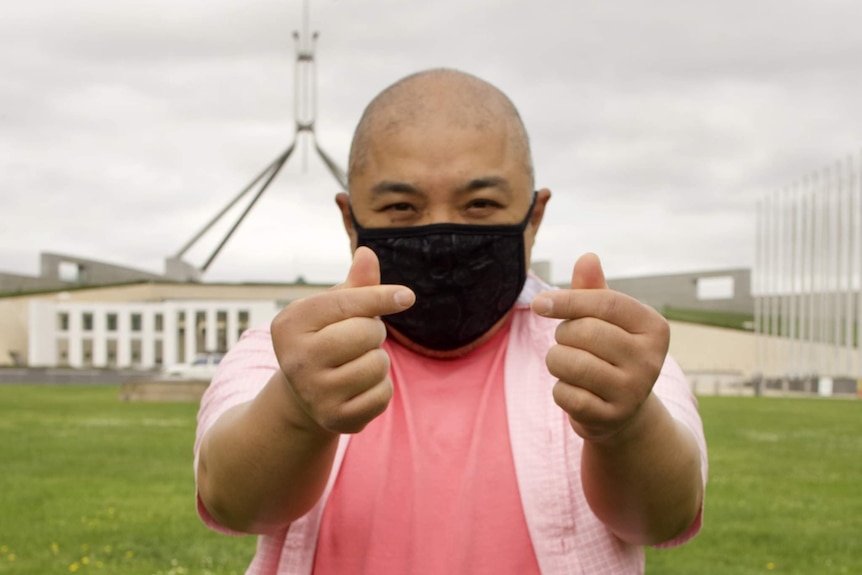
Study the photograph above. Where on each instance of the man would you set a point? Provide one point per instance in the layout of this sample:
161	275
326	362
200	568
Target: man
440	411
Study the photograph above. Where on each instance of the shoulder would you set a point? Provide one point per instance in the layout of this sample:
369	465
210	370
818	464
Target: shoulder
532	330
240	376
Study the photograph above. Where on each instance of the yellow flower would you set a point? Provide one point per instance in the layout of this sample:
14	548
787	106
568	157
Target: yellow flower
99	564
54	547
770	566
11	557
74	567
130	554
85	560
4	549
107	548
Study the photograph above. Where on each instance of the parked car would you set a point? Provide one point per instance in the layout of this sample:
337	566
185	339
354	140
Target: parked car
202	368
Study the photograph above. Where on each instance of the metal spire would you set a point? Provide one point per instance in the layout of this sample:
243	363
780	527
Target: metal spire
305	116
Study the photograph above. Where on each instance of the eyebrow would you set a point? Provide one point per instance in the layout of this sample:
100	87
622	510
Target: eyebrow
498	182
474	185
391	187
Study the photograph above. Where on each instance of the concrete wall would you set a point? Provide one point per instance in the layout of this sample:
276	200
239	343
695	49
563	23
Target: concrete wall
681	291
700	348
89	271
84	272
16	283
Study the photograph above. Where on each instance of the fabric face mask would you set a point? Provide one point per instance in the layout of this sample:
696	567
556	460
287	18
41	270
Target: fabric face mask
466	277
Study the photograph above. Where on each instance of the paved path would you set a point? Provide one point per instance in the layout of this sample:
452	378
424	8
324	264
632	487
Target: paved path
55	375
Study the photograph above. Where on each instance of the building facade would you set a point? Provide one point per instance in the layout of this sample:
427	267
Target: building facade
141	335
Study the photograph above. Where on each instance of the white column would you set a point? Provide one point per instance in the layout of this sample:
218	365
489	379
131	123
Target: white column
169	335
124	335
100	334
76	348
212	327
232	325
148	330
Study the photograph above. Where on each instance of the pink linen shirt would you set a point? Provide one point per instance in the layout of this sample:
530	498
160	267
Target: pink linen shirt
567	537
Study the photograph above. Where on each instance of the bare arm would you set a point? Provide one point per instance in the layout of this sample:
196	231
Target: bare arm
265	463
259	469
640	467
646	483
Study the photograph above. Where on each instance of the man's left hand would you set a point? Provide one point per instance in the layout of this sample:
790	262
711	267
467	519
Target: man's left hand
609	353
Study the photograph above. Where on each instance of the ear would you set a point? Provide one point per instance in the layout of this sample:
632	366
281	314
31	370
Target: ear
542	198
342	199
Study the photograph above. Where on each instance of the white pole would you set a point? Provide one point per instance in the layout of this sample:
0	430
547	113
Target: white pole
792	295
757	289
822	256
774	287
838	240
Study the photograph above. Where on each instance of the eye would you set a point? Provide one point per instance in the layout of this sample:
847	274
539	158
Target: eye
398	207
483	203
482	208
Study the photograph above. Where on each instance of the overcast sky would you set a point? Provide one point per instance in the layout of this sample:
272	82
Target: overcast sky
125	126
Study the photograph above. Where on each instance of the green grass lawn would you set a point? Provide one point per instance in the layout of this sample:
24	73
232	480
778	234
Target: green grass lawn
89	484
92	485
784	493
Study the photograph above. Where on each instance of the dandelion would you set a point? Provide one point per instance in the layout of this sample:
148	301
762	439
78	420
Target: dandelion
74	567
130	554
770	566
99	564
4	549
11	557
85	560
107	548
55	548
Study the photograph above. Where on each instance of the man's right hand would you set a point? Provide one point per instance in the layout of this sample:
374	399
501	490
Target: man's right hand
329	348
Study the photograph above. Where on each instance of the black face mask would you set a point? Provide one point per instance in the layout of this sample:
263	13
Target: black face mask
466	277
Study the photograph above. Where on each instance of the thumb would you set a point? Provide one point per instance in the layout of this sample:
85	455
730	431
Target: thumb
588	273
364	271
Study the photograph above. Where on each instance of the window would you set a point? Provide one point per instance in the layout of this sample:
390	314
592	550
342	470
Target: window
62	352
713	288
201	331
136	352
159	352
111	319
181	336
221	330
242	323
137	322
87	321
63	321
159	323
87	351
111	346
70	272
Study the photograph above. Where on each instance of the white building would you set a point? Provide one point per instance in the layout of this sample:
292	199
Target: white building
145	325
137	334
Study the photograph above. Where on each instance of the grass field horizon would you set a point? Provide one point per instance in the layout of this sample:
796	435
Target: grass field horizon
90	484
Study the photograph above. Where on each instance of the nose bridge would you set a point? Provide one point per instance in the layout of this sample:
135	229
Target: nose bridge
441	213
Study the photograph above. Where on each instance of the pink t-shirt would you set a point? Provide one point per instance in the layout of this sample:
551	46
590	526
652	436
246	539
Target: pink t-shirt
566	536
429	486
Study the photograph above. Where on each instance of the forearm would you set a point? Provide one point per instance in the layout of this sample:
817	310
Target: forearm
645	484
260	466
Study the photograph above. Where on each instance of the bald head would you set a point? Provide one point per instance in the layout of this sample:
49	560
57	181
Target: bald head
439	97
